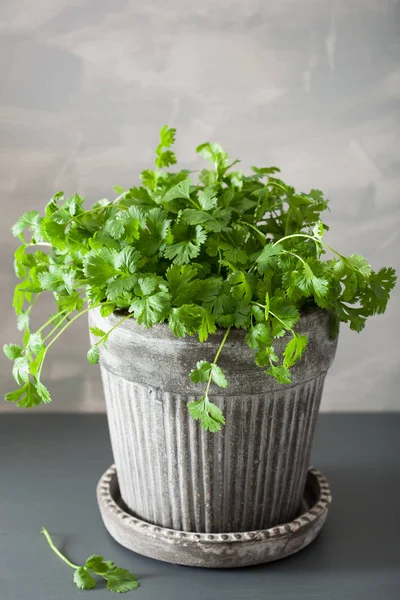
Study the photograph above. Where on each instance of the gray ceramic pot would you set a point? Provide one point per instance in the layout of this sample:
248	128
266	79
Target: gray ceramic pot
247	477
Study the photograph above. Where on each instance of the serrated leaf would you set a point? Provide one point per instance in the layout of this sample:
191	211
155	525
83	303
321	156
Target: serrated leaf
209	415
258	336
93	355
294	350
375	297
280	373
35	343
97	564
83	580
180	190
167	136
201	373
258	313
107	309
96	331
218	376
207	198
43	392
21	370
121	581
98	266
151	309
318	230
12	351
182	252
207	325
30	220
284	310
242	283
267	259
185	319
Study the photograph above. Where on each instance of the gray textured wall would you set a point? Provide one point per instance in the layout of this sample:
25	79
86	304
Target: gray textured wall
310	85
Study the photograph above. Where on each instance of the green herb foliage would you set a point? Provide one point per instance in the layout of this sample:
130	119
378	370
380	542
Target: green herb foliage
118	580
232	250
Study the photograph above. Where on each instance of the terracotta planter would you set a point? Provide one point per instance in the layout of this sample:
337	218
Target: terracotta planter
252	474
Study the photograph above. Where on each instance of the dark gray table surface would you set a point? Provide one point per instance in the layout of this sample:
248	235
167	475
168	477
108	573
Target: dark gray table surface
49	468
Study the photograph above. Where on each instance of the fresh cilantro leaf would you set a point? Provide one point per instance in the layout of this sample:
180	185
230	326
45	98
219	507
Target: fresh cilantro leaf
30	220
284	310
207	325
42	392
375	296
267	258
97	332
205	370
294	350
151	309
183	251
99	266
12	351
209	415
180	190
280	373
21	370
258	336
121	581
35	343
185	319
118	580
242	285
83	579
93	355
207	198
184	284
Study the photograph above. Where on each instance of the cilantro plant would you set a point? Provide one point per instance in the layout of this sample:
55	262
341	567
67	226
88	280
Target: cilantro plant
197	252
118	580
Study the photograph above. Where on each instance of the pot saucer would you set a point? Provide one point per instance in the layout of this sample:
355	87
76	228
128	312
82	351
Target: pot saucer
214	550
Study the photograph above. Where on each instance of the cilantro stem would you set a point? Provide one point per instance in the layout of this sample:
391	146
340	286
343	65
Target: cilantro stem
310	237
39	244
49	321
276	184
294	254
263	235
219	262
57	326
104	338
216	357
82	312
275	316
56	550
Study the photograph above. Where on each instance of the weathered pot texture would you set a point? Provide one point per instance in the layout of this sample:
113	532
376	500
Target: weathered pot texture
171	473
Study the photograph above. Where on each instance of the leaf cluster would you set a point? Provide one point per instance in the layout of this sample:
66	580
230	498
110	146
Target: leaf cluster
227	250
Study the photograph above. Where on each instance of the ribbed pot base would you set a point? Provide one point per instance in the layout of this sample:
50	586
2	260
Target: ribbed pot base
217	550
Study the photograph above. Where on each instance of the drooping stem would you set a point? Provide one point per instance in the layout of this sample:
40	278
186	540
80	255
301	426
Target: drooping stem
82	312
216	357
49	321
260	233
56	550
296	255
64	318
310	237
112	329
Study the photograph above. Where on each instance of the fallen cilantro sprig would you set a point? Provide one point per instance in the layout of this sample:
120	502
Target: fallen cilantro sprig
118	580
228	251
